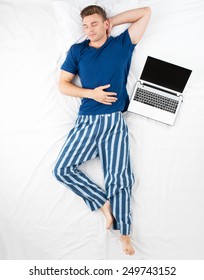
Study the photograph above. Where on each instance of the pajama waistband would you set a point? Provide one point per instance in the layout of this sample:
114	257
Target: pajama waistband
94	117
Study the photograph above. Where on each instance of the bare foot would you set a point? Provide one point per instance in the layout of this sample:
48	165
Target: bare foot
127	246
106	209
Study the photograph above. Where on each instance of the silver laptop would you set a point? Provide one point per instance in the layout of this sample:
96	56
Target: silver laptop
159	91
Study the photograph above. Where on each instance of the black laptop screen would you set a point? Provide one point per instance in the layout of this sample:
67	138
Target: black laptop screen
165	74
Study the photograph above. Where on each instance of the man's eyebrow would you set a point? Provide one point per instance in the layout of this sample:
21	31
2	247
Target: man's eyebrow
90	23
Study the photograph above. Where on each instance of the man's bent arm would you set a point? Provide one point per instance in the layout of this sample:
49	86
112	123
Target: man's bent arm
98	94
138	17
68	88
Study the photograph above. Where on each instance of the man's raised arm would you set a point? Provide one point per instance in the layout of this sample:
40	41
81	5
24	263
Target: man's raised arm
138	17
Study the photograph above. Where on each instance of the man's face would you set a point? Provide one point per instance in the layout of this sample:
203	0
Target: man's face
95	27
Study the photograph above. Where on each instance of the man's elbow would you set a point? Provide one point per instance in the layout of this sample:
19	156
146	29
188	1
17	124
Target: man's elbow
62	86
148	11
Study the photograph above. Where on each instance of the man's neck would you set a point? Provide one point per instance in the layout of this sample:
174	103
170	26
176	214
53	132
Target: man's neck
99	43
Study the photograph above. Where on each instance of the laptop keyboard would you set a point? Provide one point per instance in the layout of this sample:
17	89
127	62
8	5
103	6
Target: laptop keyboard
156	100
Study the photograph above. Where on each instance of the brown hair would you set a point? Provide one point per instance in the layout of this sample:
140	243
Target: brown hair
93	9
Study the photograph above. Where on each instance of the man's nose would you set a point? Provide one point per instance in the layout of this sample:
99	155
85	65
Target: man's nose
90	29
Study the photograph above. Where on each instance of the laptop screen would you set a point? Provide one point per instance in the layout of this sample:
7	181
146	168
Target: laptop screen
165	74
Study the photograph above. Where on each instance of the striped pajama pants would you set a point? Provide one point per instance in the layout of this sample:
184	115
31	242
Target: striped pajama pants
106	137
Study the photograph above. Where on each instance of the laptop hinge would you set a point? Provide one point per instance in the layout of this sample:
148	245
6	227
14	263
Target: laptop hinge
160	89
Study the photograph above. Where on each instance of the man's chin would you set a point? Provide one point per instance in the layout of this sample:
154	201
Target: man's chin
92	39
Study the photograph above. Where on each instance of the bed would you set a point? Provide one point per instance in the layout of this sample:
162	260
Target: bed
40	218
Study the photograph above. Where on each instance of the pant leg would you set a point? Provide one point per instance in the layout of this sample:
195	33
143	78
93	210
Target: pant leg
79	147
113	148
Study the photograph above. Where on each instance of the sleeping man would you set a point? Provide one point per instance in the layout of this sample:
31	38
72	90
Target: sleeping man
102	63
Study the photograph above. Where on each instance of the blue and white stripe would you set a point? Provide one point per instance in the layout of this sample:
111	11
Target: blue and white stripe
106	137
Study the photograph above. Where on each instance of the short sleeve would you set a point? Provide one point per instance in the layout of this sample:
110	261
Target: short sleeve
124	40
70	64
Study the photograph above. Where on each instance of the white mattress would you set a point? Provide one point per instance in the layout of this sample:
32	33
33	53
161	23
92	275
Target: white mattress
40	218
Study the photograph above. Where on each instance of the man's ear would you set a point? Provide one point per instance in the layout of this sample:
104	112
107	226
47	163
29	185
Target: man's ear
107	24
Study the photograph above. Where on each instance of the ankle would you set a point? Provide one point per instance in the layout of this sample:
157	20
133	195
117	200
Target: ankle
125	237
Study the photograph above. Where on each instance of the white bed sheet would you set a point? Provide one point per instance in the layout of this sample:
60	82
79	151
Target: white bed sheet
41	219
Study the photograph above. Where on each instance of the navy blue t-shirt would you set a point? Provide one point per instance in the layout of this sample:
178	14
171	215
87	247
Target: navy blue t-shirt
96	67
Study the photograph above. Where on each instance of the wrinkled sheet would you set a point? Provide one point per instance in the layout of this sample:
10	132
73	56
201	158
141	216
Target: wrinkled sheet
42	219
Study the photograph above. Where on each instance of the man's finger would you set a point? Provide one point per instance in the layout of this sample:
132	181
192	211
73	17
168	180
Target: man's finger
111	99
104	87
107	103
111	93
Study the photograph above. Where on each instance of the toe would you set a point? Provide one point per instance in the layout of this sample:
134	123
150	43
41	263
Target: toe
132	252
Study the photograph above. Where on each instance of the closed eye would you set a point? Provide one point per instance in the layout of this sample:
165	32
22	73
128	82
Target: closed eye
93	24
